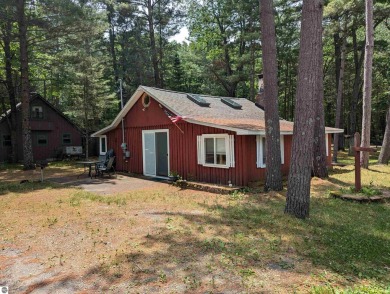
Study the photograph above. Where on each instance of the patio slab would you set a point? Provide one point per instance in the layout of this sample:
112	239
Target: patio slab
108	185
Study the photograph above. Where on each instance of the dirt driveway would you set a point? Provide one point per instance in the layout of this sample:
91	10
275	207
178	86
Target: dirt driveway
124	235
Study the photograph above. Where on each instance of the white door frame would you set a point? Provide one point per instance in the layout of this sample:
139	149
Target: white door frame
143	149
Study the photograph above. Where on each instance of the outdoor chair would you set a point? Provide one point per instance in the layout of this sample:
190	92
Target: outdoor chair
103	159
108	168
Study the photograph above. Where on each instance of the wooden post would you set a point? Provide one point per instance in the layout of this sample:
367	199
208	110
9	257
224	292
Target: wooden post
357	149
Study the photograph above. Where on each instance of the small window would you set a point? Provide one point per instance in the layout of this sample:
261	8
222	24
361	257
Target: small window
262	151
103	145
41	140
66	139
216	150
36	112
6	140
146	100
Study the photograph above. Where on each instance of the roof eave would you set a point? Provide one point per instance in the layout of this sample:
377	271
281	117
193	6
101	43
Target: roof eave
121	114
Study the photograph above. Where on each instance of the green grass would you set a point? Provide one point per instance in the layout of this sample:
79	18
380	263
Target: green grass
366	191
350	239
344	158
17	187
10	166
80	196
370	289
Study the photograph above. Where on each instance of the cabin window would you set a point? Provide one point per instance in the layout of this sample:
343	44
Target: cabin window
36	112
66	139
42	140
6	140
216	150
262	152
103	145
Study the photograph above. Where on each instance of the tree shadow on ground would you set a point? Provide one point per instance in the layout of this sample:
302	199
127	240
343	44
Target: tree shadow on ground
350	239
25	187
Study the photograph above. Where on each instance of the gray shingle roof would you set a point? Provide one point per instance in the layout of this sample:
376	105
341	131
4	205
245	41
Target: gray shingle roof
249	119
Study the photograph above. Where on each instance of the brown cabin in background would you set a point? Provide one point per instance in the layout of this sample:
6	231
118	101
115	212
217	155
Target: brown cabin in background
51	131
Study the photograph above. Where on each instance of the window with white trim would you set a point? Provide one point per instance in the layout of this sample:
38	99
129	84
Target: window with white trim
326	144
262	152
103	145
216	150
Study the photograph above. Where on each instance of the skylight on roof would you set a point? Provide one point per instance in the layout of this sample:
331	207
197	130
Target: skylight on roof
231	103
198	100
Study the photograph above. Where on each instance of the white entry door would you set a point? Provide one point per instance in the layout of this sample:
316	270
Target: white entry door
155	152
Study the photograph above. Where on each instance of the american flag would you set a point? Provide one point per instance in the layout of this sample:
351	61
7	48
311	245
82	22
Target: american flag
174	118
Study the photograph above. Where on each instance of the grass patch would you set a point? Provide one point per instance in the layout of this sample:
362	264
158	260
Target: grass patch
366	191
10	166
16	187
344	158
370	289
80	196
348	238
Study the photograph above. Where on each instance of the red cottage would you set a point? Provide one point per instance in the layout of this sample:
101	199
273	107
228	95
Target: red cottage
51	130
203	138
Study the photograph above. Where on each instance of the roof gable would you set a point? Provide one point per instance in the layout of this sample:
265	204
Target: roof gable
35	97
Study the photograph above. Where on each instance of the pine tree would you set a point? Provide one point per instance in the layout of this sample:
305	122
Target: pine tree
28	160
384	155
270	69
367	88
298	192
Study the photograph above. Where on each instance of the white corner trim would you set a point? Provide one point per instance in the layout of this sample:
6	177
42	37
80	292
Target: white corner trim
260	150
100	144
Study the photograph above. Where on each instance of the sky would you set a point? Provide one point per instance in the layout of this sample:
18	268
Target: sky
181	37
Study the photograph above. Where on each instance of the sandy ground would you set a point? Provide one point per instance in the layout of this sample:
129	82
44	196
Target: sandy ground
131	235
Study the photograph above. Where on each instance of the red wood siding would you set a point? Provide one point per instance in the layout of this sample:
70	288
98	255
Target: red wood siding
183	148
52	124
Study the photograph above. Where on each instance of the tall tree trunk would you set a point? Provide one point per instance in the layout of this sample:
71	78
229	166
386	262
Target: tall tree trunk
298	192
337	55
10	89
369	52
384	155
339	100
273	179
252	90
161	45
357	84
285	110
28	160
112	37
86	116
156	70
320	168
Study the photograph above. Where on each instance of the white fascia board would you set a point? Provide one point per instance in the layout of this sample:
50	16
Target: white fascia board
337	131
121	114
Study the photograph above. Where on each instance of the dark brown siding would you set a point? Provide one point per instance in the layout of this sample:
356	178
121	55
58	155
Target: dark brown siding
53	125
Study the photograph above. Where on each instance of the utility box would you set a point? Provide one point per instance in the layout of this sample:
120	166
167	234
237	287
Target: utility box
70	151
